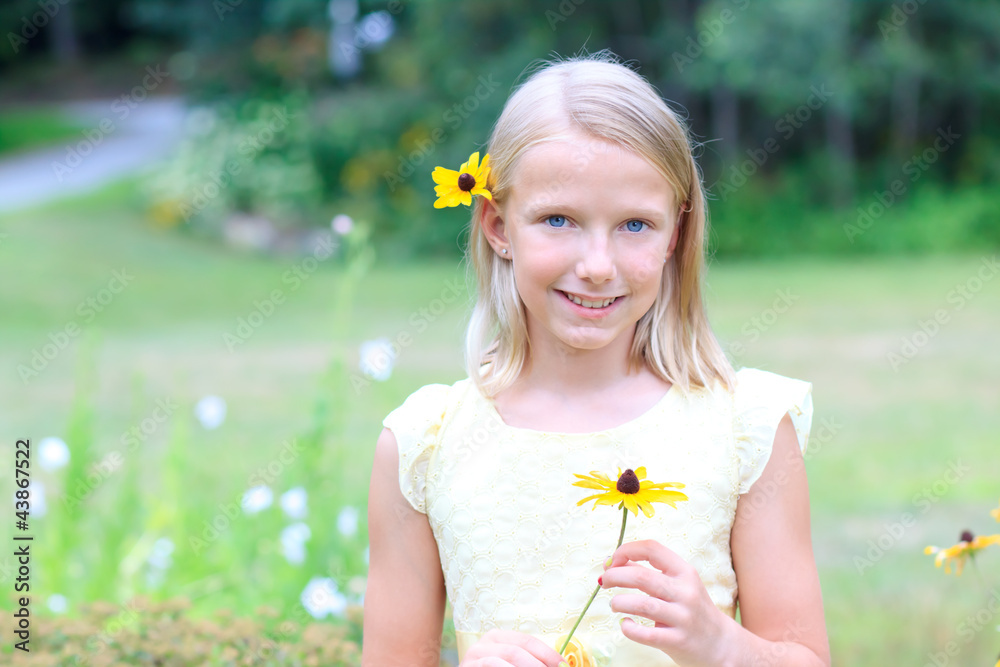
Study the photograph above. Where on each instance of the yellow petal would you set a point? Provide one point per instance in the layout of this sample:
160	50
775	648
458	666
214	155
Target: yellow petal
588	484
473	163
444	176
640	472
646	508
483	192
630	503
448	200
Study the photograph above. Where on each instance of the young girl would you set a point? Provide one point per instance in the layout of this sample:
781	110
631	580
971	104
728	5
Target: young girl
589	350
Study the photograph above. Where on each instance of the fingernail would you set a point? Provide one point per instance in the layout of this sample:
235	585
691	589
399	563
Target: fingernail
607	563
600	581
564	664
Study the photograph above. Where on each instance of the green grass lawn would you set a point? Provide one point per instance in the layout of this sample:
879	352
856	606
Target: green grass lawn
886	441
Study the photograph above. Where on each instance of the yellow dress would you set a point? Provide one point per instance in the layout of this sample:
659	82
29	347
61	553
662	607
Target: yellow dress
517	552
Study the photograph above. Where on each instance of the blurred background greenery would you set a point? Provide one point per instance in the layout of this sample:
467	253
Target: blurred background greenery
221	269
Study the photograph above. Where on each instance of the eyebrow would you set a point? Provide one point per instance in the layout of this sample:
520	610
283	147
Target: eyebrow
535	210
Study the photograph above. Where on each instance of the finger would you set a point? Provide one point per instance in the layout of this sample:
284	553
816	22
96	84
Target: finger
651	551
663	614
531	645
660	638
652	582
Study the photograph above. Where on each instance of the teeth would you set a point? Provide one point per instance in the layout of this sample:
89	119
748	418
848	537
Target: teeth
590	304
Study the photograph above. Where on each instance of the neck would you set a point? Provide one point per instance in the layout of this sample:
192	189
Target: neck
556	368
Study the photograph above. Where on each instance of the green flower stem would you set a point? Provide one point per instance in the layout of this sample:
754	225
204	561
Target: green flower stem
621	536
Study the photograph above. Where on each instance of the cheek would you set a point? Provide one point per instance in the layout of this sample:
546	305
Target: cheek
647	271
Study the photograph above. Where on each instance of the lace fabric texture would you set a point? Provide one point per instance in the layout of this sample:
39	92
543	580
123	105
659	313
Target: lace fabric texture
516	550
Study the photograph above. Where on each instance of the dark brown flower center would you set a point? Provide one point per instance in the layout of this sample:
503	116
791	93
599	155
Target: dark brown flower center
628	482
966	536
466	182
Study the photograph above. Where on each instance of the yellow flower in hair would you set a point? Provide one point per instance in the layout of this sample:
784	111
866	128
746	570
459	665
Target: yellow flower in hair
631	489
959	553
995	513
457	187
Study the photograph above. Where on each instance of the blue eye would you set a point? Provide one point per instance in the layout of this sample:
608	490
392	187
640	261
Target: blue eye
560	218
631	229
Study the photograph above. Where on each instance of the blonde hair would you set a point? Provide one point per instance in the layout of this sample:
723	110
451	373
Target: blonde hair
605	99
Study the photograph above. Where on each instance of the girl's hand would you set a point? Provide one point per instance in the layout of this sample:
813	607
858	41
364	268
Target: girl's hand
689	627
506	648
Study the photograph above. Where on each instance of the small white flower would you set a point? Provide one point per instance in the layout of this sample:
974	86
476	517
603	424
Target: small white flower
57	603
293	541
321	598
211	411
293	502
377	358
377	27
347	521
257	499
159	557
52	454
342	224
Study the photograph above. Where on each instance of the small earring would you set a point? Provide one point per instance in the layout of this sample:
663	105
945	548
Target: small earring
504	250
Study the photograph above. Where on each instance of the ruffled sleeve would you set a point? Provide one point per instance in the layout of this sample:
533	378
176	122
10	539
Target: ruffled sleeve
761	400
415	425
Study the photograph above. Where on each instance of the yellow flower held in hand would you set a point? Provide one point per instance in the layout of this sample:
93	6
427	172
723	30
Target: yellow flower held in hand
576	655
631	489
632	492
959	553
457	187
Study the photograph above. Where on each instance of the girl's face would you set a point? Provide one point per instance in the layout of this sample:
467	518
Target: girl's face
587	219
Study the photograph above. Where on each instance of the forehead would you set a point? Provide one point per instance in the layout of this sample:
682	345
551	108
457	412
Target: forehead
587	172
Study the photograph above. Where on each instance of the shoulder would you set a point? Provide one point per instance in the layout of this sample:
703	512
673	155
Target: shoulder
412	433
426	406
761	399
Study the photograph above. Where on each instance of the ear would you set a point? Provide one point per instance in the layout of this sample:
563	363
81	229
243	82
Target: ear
491	220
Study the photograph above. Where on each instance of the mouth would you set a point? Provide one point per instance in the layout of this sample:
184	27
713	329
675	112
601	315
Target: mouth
596	306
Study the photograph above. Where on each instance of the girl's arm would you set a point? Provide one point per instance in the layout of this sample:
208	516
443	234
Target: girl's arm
405	599
779	593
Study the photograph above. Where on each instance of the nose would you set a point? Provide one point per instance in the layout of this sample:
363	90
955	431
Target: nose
597	262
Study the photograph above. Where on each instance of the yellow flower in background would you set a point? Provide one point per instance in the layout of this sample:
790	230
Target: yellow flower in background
631	489
996	515
576	655
457	187
959	553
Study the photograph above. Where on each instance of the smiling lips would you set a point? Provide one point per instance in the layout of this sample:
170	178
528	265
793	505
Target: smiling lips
587	303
